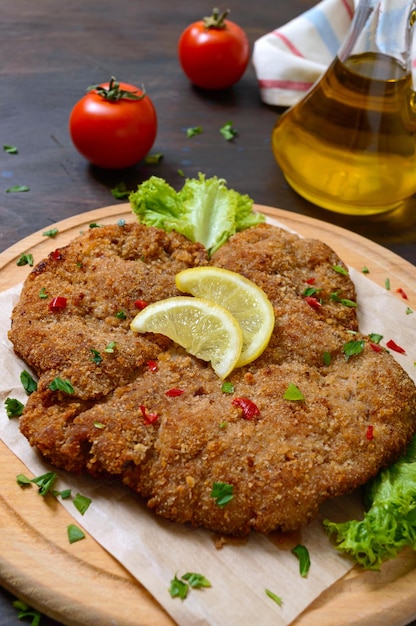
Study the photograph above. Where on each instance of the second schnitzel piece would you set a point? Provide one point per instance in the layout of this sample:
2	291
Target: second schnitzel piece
248	456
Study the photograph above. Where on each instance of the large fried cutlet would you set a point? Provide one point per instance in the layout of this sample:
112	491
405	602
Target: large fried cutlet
160	420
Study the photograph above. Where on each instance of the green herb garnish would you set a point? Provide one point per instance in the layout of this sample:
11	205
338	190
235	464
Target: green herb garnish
29	383
193	130
10	149
110	347
120	191
52	232
326	357
274	597
227	387
58	384
14	408
96	356
153	159
25	259
43	294
24	610
44	482
74	533
352	348
293	393
228	132
17	189
178	588
223	493
302	554
120	315
340	269
375	337
81	503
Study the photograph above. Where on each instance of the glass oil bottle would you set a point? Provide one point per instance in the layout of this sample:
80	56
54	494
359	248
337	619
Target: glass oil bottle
350	144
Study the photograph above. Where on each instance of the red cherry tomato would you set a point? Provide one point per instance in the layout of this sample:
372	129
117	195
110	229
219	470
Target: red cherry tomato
114	125
214	52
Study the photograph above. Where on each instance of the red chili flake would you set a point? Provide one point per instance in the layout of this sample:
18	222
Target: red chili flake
152	365
149	418
370	432
57	255
402	293
375	346
313	302
310	281
393	346
140	304
57	304
174	393
248	407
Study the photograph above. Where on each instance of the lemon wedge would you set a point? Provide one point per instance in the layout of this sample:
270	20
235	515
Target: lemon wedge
205	329
244	299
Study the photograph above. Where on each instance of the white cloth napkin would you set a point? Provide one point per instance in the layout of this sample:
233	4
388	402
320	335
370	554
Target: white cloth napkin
289	59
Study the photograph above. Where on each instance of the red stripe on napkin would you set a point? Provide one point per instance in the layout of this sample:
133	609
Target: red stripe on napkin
288	43
294	85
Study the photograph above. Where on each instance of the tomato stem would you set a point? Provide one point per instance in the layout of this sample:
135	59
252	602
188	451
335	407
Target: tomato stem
216	20
113	93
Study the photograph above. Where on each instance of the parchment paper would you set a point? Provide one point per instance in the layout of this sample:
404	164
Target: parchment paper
154	550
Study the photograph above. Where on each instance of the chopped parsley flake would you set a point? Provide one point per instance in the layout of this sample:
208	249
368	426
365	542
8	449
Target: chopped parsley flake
352	348
375	337
44	482
194	130
10	149
120	315
96	356
179	587
24	610
14	408
340	269
110	347
81	503
58	384
409	311
228	132
227	387
365	270
120	191
326	358
25	259
29	383
223	493
387	284
43	294
293	393
50	233
74	533
18	189
304	559
274	597
153	159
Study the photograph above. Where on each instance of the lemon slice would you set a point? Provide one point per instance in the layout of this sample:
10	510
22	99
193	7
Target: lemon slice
205	329
243	298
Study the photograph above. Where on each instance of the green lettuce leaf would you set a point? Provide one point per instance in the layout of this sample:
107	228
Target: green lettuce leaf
204	210
389	524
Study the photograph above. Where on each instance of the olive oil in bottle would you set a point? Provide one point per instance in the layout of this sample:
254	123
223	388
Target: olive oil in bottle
350	144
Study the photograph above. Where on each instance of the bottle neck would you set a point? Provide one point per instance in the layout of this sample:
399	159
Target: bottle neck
382	27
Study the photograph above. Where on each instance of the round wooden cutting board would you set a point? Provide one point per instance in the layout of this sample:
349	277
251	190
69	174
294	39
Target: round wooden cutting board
81	584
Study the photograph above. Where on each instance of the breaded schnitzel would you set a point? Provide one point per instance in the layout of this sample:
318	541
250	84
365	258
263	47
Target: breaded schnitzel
160	419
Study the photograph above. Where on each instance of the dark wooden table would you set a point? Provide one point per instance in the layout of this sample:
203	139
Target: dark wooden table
51	51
